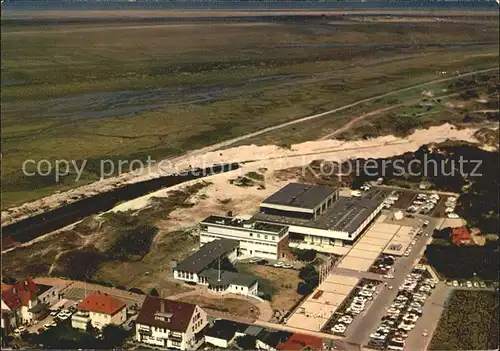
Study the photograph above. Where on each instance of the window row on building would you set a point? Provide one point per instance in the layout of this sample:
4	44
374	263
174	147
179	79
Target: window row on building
241	241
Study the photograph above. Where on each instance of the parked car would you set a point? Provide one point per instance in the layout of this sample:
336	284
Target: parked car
346	319
339	328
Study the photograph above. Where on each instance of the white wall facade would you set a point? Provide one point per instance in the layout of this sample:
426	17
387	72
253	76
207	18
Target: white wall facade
100	320
26	316
9	318
79	320
253	243
333	237
51	295
244	290
224	344
186	276
165	338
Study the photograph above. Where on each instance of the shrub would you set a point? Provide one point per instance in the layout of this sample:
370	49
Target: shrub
136	290
304	289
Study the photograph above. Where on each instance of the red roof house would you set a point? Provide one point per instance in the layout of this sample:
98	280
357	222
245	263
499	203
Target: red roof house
100	310
301	342
461	236
101	303
20	304
19	294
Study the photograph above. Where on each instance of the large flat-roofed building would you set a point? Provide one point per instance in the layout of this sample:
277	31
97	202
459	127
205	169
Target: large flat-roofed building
318	215
256	238
300	201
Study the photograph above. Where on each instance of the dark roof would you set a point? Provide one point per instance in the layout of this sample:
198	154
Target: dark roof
227	277
43	288
181	313
273	337
345	214
39	307
300	195
207	254
253	330
241	223
224	329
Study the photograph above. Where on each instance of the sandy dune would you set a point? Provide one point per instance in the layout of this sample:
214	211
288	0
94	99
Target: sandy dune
271	157
244	201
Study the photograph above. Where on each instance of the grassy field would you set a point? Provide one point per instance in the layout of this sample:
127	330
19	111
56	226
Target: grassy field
236	307
469	322
103	248
125	91
283	281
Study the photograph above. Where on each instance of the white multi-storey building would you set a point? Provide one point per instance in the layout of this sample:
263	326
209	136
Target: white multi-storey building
318	215
100	310
256	239
168	324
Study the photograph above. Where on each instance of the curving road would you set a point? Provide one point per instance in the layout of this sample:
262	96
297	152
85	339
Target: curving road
345	107
35	207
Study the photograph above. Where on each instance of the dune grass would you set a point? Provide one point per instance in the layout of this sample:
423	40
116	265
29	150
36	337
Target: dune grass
81	92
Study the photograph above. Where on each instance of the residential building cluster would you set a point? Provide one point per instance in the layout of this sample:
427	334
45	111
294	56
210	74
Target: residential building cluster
159	323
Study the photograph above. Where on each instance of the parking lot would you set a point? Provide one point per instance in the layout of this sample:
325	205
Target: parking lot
61	311
354	305
402	315
361	328
424	202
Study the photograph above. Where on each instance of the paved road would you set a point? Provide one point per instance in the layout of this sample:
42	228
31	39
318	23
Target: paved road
265	309
433	308
361	328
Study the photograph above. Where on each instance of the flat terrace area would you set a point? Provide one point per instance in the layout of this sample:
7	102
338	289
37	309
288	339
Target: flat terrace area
244	223
345	214
400	242
317	309
370	246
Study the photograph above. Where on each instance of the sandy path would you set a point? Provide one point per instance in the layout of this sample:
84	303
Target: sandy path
354	121
182	163
485	111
